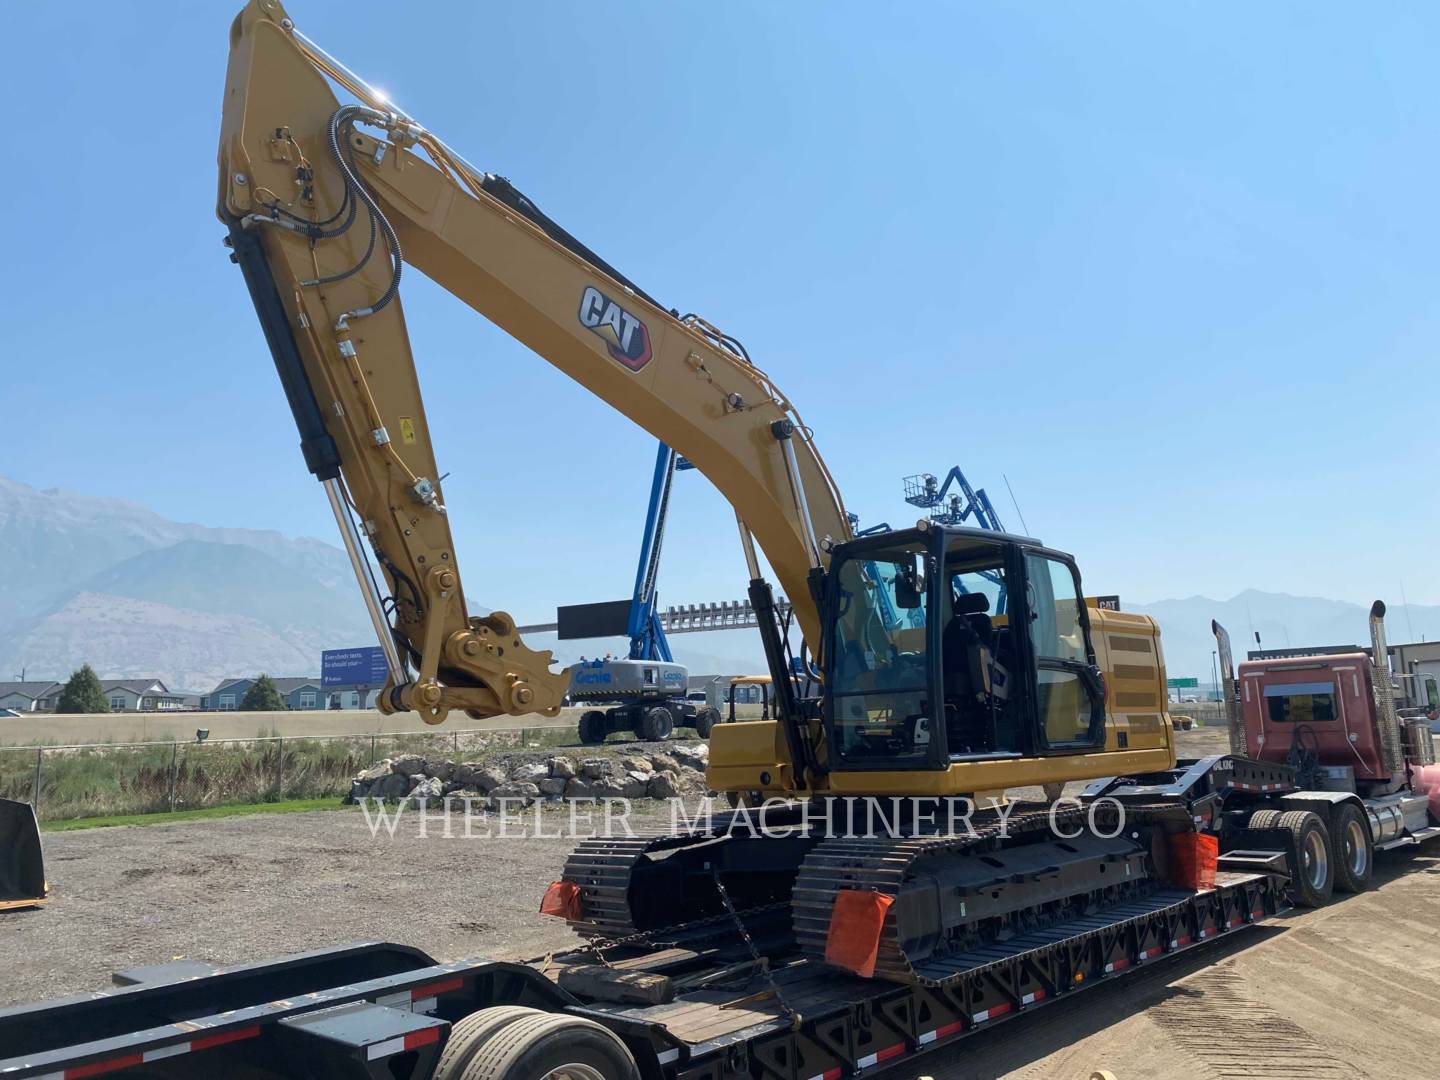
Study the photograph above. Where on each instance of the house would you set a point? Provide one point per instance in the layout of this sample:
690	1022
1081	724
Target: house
140	695
29	696
301	694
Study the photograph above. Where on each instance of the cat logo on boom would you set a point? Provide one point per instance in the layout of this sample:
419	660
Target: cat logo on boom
627	338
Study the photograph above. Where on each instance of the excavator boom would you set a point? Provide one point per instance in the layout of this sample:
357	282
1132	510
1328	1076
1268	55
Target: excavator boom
326	204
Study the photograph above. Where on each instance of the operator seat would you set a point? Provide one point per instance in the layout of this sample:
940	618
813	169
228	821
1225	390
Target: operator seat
966	648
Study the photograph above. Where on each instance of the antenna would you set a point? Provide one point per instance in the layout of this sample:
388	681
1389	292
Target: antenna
1015	504
1408	624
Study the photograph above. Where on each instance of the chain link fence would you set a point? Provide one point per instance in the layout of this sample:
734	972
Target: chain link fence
104	779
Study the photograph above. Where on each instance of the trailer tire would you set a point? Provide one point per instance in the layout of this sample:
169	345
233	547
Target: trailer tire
471	1032
1264	819
1313	877
592	727
656	724
544	1047
706	717
1354	853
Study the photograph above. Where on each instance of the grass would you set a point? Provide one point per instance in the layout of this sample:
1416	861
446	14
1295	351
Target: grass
111	781
290	806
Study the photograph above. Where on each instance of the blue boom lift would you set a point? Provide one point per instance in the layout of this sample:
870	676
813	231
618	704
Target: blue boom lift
646	690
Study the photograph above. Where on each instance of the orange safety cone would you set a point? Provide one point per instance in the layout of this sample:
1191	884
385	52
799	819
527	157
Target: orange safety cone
855	923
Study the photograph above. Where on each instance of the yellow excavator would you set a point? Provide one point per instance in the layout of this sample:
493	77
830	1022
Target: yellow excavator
950	662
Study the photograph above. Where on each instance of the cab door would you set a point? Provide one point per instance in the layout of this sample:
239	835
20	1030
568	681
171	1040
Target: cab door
1068	695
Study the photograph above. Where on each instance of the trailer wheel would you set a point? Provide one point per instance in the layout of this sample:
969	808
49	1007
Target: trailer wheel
1264	819
469	1033
1354	854
656	724
592	727
706	717
1313	877
552	1047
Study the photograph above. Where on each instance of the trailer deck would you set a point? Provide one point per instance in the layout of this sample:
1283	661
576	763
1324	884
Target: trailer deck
709	1008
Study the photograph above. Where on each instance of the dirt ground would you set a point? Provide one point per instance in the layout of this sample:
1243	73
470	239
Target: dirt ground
1350	990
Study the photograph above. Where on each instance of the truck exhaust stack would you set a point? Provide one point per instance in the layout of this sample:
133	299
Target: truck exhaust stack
1390	747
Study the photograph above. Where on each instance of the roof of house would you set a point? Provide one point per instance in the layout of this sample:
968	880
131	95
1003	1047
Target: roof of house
135	686
225	684
32	690
289	686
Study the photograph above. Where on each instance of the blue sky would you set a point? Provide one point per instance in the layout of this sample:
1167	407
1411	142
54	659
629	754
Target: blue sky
1168	267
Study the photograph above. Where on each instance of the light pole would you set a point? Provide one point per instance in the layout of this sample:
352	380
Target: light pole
1214	675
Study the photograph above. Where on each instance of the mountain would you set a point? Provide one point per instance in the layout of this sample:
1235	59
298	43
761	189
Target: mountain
1281	620
115	585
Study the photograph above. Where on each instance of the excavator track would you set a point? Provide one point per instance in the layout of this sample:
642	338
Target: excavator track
885	864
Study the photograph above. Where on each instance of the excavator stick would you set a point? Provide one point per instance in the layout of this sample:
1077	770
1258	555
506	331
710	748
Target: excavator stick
22	866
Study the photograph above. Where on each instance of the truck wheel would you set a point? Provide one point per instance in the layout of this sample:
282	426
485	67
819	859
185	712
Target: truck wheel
1264	819
469	1033
1354	855
592	727
656	724
706	717
552	1047
1313	875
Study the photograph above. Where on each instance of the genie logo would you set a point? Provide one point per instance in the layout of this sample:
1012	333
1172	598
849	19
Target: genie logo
671	676
592	678
625	336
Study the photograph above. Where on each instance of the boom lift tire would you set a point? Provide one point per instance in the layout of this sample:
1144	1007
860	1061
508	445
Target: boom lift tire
657	724
592	727
706	717
1354	852
552	1047
1313	873
469	1033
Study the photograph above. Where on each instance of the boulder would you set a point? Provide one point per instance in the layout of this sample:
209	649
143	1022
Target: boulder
442	768
409	766
393	786
464	773
430	787
635	784
562	768
594	768
359	789
694	755
414	780
375	772
663	785
637	764
529	771
664	763
552	787
489	777
516	793
577	788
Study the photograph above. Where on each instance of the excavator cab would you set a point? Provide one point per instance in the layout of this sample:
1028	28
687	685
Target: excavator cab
953	645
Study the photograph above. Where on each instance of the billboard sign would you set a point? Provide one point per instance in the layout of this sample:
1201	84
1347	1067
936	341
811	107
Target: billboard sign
354	667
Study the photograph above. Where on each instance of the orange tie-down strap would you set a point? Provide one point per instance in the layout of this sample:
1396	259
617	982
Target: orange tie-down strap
562	898
855	924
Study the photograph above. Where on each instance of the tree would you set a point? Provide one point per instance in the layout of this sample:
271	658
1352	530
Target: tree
82	693
262	697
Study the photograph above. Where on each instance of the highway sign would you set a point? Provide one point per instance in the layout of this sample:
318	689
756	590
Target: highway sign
353	667
1182	684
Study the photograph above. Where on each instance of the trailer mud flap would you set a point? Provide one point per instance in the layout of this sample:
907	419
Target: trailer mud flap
22	866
